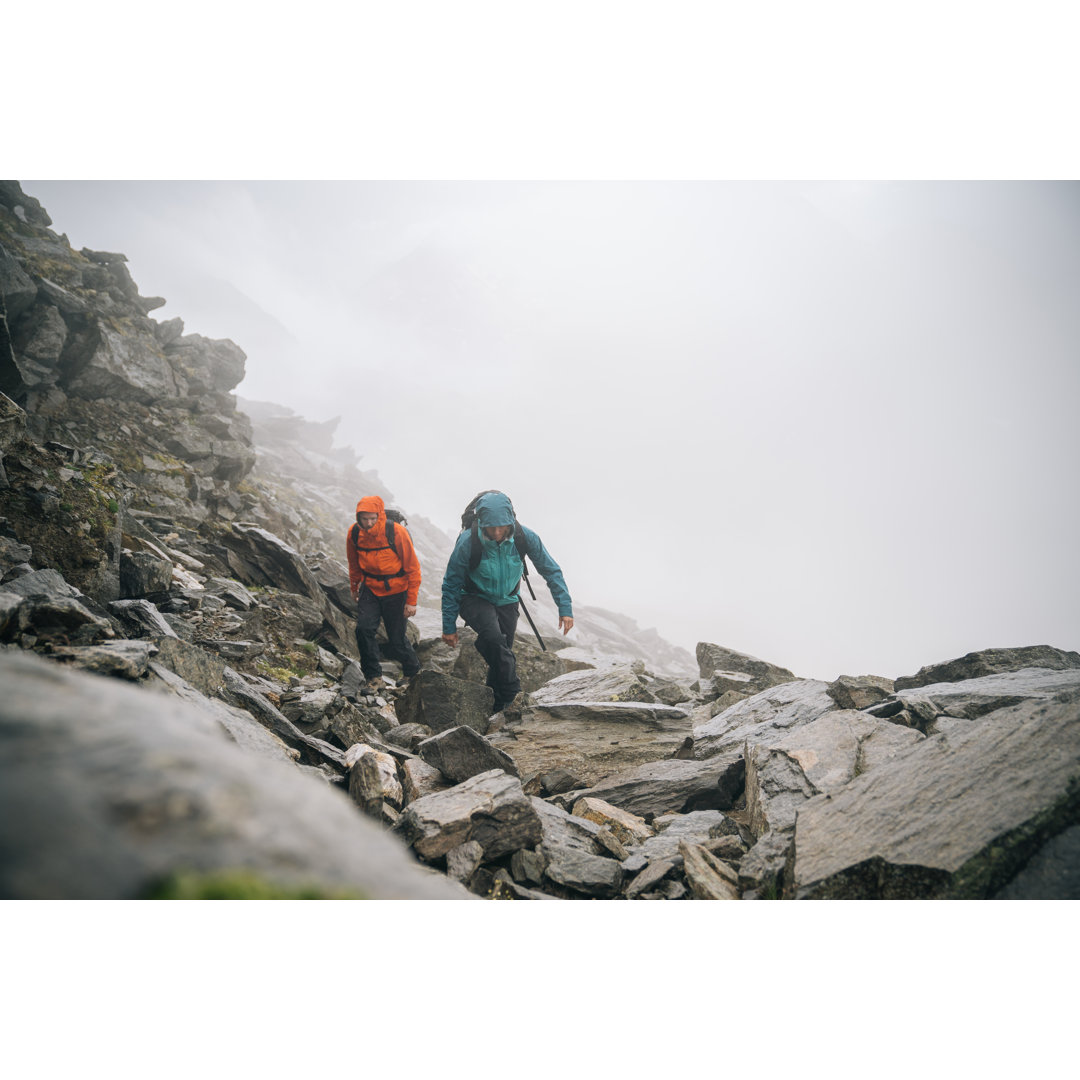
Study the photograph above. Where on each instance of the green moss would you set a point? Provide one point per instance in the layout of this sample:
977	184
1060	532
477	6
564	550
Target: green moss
238	885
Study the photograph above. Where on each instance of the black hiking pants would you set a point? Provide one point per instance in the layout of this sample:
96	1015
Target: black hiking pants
495	628
370	610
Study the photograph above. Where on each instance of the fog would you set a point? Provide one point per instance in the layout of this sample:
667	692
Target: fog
829	424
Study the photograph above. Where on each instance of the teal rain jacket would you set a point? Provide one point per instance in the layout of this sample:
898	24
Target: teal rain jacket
498	576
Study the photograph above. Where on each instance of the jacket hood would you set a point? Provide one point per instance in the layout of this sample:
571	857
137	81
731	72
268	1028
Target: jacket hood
370	504
494	509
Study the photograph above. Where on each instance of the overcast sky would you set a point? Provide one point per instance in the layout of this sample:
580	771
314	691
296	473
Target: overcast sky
829	424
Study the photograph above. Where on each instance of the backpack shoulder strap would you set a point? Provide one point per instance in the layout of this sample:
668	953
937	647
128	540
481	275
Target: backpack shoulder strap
475	550
353	533
390	528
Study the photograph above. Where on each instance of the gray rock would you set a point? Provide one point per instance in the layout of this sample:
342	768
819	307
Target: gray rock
196	666
707	876
716	658
490	808
651	876
975	697
573	856
120	659
442	702
593	739
614	684
763	868
1053	873
313	751
418	779
698	827
661	787
60	620
410	736
777	709
232	592
975	665
859	691
107	790
958	817
373	780
820	757
142	617
462	861
121	367
16	287
461	752
143	574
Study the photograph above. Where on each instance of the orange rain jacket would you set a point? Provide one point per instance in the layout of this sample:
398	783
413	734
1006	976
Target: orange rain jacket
370	554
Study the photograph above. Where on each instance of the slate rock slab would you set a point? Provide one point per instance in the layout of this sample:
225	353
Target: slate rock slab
971	698
958	817
106	789
775	710
490	808
461	752
716	658
441	702
119	659
614	684
592	739
975	665
670	786
822	756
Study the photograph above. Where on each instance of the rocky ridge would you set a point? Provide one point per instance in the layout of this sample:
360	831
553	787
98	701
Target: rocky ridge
183	714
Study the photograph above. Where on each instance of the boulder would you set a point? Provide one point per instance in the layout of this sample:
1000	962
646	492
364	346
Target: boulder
441	702
975	665
592	739
614	684
975	697
820	757
202	669
418	779
120	659
87	810
460	752
571	853
960	816
859	691
661	787
121	367
143	574
490	808
777	709
142	617
730	670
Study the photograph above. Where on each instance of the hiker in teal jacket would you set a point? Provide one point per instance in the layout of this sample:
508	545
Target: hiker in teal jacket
487	597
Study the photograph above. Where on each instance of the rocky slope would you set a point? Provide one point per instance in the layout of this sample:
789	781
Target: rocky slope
183	715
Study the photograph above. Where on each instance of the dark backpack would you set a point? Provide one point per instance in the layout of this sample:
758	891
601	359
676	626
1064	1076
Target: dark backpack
393	517
470	523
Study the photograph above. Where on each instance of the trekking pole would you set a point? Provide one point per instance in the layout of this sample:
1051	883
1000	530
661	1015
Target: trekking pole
531	623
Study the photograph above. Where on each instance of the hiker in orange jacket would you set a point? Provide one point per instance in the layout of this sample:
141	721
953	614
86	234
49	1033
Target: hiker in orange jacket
384	577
